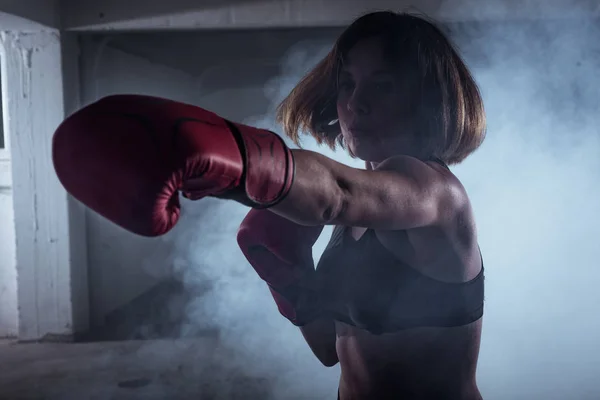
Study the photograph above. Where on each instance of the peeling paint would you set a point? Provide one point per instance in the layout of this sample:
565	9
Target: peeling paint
34	106
26	59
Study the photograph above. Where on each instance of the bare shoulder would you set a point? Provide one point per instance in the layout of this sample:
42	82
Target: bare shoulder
435	179
452	240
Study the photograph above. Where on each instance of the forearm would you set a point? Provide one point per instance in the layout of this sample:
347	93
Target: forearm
317	193
321	338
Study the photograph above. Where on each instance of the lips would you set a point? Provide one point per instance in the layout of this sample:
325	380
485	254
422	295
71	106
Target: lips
360	126
359	131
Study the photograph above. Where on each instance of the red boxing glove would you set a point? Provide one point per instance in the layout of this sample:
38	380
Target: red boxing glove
281	253
128	156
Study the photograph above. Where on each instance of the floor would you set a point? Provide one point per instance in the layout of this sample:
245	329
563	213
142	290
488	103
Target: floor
158	369
144	351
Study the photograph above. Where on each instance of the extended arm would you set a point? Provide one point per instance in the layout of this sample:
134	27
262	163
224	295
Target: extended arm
132	152
402	193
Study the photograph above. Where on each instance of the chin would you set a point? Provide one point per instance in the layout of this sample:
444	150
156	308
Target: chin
366	153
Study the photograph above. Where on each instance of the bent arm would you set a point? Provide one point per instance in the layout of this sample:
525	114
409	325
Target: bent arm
401	193
320	336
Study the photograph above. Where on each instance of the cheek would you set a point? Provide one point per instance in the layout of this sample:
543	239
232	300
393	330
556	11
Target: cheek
393	114
385	122
394	119
342	111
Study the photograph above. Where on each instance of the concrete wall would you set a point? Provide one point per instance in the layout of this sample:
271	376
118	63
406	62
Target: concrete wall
43	270
34	104
9	323
122	265
29	15
119	261
8	268
99	15
54	236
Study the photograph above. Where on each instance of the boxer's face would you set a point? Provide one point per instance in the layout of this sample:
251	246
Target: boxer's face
372	100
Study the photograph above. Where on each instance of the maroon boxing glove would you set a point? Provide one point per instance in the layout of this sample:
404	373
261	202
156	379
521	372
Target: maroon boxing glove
281	253
127	157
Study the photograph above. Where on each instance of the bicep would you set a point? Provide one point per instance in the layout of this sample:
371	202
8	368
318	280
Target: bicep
400	194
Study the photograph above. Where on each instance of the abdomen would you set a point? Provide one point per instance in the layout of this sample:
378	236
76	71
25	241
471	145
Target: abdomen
418	363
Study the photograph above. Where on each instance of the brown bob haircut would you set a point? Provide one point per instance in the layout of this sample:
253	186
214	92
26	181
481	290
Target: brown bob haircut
447	107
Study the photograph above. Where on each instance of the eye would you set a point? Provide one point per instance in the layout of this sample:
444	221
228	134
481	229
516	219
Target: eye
384	86
345	85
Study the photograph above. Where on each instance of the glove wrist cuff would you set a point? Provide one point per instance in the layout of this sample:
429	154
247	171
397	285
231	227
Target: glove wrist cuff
269	167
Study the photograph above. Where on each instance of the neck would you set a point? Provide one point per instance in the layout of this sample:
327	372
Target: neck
373	164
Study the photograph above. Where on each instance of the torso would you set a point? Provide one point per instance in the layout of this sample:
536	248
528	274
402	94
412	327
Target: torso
419	363
415	362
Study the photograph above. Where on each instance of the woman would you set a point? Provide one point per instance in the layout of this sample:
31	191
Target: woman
403	264
397	297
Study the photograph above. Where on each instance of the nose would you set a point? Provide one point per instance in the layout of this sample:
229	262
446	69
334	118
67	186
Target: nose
358	103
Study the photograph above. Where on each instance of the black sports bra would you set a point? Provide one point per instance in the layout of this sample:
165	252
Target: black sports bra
380	294
363	284
366	286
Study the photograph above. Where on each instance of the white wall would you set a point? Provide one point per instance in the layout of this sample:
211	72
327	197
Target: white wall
122	265
9	317
34	104
9	324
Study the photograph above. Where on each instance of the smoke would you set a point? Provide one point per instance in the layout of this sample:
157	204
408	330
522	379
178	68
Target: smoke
257	344
533	188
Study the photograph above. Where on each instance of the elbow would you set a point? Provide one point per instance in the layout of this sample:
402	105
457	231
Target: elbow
337	205
325	352
329	362
328	357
